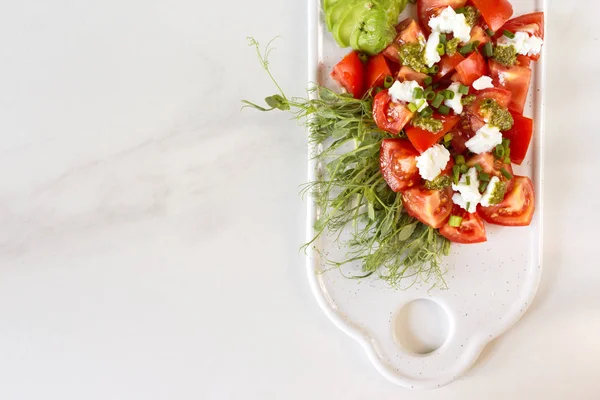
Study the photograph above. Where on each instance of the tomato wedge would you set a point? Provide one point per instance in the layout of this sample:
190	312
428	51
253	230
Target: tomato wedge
350	73
431	207
448	63
422	139
478	34
409	74
515	79
461	133
389	115
471	229
516	209
408	31
494	12
524	61
520	137
501	96
398	164
531	23
377	70
490	165
471	69
427	8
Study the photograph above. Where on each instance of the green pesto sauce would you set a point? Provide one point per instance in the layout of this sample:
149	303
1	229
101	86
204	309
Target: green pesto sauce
497	115
412	55
506	55
471	15
441	182
467	100
451	46
498	193
428	123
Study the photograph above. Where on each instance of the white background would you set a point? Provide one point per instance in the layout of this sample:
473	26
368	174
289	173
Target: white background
149	230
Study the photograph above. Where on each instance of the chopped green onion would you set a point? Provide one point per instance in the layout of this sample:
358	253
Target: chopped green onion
468	205
441	49
466	49
429	95
428	80
434	70
459	159
507	152
443	38
506	142
490	32
478	168
418	93
439	99
455	173
506	160
455	221
508	34
363	57
499	151
444	110
388	82
483	186
468	179
447	137
412	107
426	112
464	168
506	174
483	177
488	49
377	90
462	89
448	94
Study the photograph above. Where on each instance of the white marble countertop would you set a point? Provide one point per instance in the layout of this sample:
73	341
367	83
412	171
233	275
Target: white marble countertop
149	230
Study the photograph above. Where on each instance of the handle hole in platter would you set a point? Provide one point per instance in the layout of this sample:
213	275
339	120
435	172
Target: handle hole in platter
421	326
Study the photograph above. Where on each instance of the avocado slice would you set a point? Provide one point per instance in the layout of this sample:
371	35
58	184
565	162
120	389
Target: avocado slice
350	22
335	13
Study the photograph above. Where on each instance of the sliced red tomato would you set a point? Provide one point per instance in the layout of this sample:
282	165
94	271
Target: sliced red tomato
422	139
389	115
515	79
501	96
531	23
431	207
427	8
398	163
478	34
471	229
524	61
516	209
409	74
492	166
377	70
463	131
471	69
448	63
520	137
494	12
408	31
350	73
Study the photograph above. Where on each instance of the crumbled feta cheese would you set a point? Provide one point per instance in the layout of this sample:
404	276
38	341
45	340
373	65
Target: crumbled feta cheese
489	192
524	44
448	21
485	139
405	91
433	161
501	78
431	53
455	103
485	82
468	191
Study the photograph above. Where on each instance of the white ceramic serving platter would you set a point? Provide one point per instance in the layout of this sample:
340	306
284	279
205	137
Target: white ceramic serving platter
490	285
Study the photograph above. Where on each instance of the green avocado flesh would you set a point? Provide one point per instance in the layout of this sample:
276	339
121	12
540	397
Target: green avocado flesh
366	25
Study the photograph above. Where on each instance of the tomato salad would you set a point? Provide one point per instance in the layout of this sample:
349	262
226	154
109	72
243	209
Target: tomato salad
451	89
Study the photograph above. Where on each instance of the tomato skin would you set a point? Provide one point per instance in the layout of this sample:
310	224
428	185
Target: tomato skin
408	31
524	61
423	139
517	208
427	8
494	12
470	231
478	34
389	115
377	70
448	63
471	69
350	73
431	207
531	23
409	74
515	79
490	165
398	164
520	137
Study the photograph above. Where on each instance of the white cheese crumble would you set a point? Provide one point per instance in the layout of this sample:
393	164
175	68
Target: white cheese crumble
455	103
526	45
485	82
431	53
405	91
468	195
487	195
485	139
448	21
433	161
